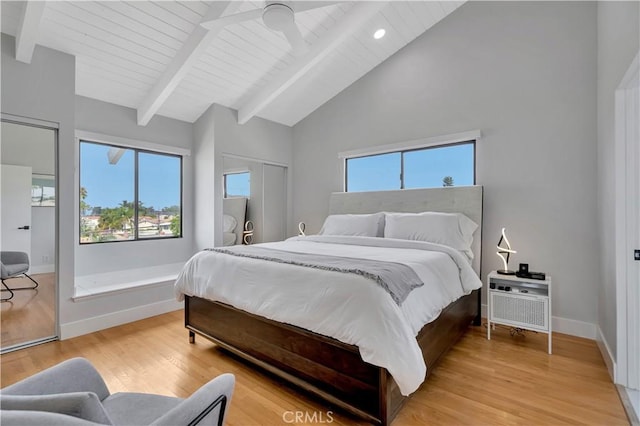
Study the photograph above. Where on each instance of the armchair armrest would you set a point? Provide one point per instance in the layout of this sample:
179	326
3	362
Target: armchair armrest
30	418
73	375
79	405
207	406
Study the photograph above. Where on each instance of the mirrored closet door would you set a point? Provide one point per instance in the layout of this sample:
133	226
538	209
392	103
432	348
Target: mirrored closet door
255	192
274	206
28	239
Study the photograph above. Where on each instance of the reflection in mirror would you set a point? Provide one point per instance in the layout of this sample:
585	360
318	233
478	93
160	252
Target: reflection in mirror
28	234
237	184
234	217
43	190
263	186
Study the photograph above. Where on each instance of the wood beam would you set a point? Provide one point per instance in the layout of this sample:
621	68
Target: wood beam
184	60
28	30
352	21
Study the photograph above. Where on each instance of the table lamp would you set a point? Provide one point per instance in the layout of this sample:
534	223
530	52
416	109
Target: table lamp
502	251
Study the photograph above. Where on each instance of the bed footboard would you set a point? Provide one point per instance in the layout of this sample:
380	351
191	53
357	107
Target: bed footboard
321	365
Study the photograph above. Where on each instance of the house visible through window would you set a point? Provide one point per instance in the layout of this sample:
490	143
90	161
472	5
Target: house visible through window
128	194
237	184
442	165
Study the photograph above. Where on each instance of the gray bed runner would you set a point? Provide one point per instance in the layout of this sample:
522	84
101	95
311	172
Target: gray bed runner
395	278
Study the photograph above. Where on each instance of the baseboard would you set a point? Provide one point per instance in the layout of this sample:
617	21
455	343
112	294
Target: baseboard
564	326
607	356
42	269
631	402
574	327
101	322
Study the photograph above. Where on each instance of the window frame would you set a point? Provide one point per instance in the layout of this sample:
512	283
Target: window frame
136	152
402	152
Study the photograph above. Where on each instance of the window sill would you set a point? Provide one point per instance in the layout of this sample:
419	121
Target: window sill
109	283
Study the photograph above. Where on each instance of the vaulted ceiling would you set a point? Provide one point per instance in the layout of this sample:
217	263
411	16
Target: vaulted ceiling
155	57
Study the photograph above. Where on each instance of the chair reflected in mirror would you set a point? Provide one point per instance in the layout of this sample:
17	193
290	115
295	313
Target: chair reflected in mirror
14	264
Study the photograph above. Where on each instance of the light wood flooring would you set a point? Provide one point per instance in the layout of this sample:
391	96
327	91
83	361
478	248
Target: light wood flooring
30	314
508	380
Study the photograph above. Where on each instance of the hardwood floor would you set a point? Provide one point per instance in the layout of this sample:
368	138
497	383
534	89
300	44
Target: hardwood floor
508	380
30	314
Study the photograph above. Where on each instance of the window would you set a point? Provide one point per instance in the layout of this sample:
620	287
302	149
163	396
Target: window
374	173
128	194
442	165
237	185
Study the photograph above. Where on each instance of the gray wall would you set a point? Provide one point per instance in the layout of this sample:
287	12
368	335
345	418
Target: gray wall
525	74
113	120
204	155
217	133
45	90
618	35
29	146
258	139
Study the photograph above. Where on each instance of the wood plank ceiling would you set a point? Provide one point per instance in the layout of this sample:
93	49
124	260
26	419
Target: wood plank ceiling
124	49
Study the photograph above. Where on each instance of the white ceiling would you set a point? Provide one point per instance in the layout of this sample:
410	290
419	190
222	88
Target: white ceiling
156	58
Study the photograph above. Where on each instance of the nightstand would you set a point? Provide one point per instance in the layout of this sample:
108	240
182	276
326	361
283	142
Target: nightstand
526	305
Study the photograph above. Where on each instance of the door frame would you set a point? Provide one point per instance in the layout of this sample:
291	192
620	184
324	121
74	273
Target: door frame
627	159
51	125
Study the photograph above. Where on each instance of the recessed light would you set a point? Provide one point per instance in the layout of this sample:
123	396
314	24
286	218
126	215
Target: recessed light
379	34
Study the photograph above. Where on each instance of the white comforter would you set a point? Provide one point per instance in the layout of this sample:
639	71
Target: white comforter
347	307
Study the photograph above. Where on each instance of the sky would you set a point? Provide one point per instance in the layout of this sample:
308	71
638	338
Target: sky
238	184
108	184
422	169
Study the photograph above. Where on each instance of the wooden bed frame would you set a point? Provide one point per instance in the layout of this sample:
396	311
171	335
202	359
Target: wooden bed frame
321	365
327	367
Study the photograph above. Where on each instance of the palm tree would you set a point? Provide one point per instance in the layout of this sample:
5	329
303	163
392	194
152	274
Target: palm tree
83	205
447	181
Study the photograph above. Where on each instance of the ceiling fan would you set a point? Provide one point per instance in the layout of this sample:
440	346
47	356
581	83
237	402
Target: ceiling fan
277	16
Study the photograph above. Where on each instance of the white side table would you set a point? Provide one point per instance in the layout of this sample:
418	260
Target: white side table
519	302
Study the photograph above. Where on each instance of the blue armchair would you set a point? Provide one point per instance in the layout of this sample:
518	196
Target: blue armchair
74	393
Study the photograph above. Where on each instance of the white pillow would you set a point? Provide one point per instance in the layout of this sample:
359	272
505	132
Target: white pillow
230	223
361	225
451	229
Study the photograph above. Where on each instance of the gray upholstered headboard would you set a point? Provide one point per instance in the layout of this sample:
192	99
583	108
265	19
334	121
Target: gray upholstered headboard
236	207
455	199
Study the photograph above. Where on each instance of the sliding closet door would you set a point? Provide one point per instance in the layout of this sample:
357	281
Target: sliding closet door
274	203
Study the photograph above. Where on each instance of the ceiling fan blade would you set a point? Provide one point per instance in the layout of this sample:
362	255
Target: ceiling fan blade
232	19
294	36
301	6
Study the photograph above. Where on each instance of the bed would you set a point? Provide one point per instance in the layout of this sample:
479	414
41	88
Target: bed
326	366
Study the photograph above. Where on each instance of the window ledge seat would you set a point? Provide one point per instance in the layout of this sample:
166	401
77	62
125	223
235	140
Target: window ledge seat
89	286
